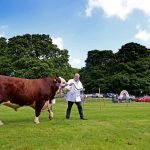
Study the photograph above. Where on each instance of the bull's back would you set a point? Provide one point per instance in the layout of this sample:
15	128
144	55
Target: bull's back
19	90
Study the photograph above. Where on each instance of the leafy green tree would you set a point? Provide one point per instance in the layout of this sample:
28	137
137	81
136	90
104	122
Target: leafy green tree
3	46
5	65
132	52
33	56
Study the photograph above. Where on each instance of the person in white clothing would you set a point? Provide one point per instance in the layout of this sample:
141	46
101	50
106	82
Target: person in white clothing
74	96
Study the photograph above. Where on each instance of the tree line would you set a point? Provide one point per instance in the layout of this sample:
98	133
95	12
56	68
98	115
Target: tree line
128	69
35	56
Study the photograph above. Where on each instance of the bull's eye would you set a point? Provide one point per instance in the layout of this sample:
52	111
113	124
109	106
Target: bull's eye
58	84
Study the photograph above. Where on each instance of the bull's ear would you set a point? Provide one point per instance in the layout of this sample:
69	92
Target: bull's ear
60	78
57	79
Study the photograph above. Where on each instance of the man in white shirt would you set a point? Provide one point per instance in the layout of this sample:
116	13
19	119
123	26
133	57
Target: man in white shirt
74	96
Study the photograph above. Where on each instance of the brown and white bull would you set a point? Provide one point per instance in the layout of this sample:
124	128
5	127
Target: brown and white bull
37	93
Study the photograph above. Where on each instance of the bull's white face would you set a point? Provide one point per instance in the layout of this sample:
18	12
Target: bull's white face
63	81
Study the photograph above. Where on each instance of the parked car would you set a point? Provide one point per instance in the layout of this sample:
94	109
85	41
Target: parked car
131	98
109	95
97	95
143	99
88	95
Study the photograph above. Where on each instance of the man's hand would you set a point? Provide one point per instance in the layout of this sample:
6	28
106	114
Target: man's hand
71	84
83	89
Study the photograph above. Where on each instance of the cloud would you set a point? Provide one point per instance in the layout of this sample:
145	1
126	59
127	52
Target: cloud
58	41
2	34
3	29
118	8
75	62
143	35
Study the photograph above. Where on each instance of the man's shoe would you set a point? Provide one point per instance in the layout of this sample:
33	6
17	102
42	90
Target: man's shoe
83	118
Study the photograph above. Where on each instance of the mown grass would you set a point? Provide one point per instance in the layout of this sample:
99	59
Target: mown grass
109	127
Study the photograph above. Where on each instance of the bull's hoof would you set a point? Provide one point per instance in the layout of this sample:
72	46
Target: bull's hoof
36	121
15	109
50	117
1	123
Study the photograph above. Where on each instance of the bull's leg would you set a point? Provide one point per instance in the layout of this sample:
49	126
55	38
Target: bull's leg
50	108
1	123
38	107
1	100
51	115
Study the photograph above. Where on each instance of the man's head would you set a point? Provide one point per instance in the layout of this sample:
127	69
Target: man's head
76	77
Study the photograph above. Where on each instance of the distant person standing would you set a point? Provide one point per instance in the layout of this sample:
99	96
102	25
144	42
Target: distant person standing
74	96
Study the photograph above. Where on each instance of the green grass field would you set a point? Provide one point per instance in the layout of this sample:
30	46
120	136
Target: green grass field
109	127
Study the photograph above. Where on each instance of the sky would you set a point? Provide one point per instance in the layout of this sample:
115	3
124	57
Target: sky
79	25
